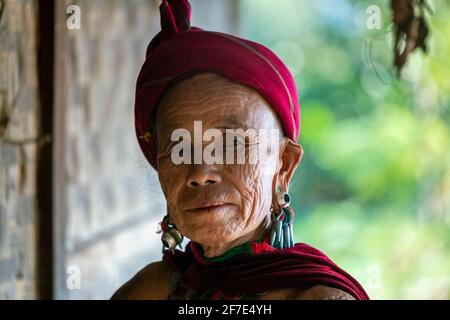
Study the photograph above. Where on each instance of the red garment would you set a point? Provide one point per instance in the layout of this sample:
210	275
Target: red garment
267	269
180	49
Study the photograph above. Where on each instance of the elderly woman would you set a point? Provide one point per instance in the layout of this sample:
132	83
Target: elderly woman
194	88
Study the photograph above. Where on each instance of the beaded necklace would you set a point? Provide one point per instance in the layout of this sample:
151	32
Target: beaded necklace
179	292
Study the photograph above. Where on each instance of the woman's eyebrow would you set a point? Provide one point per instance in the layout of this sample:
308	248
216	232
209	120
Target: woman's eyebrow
167	145
234	120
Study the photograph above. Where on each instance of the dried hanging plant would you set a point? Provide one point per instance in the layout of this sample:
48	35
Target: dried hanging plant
411	29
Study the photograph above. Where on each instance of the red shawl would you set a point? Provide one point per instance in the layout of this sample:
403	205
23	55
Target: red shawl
266	269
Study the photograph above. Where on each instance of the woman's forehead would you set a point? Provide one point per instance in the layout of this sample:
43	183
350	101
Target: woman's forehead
217	102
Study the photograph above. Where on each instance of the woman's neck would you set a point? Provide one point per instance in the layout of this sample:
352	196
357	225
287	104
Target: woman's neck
254	235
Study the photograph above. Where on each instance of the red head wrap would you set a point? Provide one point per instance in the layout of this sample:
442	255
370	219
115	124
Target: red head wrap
179	49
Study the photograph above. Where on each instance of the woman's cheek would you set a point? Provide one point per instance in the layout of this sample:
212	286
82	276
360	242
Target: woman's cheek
260	186
170	178
246	182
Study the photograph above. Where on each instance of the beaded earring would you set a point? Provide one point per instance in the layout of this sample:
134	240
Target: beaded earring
171	237
282	235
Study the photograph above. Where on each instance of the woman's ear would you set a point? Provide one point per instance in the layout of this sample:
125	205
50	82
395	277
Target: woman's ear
290	157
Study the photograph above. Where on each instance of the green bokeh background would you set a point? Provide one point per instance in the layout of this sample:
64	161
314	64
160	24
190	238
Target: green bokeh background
373	187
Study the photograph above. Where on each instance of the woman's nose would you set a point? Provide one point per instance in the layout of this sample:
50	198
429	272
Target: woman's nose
202	175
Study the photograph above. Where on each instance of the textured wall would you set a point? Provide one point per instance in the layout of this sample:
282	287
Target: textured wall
107	201
18	127
113	202
111	209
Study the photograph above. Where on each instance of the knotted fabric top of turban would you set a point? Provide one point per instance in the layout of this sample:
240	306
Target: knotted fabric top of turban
180	49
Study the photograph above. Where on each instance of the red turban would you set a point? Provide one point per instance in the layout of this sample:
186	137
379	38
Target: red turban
179	49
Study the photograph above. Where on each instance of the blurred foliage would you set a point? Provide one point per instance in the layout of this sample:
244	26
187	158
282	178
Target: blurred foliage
373	188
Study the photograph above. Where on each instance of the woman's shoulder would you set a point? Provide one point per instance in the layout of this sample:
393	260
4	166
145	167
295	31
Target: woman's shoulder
317	292
322	292
150	283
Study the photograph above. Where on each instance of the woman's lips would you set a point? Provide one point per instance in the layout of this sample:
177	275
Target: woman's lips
212	206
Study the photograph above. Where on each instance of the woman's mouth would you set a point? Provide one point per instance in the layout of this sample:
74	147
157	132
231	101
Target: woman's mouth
211	206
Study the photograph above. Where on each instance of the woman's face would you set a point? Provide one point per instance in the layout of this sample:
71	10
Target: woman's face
216	203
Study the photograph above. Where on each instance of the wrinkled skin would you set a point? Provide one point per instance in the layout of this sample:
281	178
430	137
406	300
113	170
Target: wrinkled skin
219	103
246	189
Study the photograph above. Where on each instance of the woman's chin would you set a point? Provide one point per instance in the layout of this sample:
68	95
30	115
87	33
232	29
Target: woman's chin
210	217
210	240
211	233
211	225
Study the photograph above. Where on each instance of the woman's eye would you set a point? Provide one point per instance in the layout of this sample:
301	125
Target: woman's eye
239	141
234	143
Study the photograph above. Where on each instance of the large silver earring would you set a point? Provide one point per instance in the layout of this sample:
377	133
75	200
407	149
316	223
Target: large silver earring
283	199
282	235
171	237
